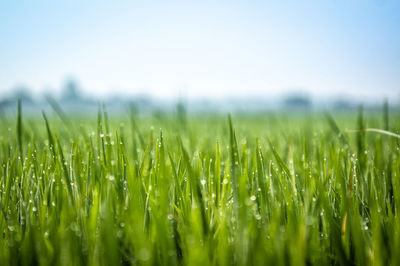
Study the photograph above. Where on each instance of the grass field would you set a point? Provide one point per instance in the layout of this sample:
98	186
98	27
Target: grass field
202	190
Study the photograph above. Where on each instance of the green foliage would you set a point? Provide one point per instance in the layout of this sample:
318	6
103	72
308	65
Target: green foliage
198	190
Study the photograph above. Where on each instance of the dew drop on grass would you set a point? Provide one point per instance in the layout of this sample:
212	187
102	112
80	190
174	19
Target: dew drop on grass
253	198
203	182
144	254
101	135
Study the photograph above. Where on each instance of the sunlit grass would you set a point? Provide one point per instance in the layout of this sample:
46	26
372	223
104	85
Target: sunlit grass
200	189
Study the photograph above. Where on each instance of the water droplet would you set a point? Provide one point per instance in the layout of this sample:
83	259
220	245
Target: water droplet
144	254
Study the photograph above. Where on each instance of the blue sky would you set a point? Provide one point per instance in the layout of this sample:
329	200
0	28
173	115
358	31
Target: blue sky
206	49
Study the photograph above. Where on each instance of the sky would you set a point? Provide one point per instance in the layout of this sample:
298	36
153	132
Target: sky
203	49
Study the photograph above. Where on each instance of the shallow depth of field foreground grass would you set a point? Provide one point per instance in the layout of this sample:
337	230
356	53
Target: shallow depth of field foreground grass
200	190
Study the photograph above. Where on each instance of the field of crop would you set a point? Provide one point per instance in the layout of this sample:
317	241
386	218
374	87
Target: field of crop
177	189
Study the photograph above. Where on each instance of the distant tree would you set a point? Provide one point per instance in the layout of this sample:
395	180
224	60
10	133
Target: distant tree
23	94
71	91
298	102
343	104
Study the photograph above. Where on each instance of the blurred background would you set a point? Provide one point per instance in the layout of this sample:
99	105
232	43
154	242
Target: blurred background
208	55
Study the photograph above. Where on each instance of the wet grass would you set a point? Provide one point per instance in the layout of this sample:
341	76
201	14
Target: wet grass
200	190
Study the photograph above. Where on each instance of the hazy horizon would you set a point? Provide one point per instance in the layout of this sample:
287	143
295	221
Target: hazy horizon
209	50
